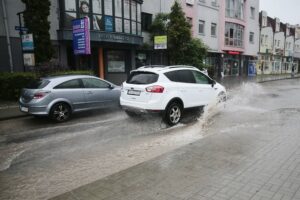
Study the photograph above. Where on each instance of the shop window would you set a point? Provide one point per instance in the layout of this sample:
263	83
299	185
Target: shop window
69	16
84	8
108	7
127	9
118	8
97	22
70	5
97	6
146	21
119	25
126	26
133	27
116	61
133	10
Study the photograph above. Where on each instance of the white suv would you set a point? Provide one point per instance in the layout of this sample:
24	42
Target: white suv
168	90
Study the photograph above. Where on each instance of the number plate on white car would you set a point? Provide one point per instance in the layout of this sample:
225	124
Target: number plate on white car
24	109
134	92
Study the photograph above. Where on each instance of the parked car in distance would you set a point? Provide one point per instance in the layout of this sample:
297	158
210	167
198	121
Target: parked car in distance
60	96
169	90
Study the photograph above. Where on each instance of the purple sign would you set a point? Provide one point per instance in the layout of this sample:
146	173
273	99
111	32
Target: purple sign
81	36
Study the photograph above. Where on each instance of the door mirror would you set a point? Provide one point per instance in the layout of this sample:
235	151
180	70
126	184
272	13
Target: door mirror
111	86
213	83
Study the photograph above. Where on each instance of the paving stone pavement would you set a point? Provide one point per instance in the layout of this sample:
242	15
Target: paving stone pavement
258	159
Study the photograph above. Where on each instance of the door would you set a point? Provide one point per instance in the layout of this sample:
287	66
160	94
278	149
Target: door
98	93
72	90
205	91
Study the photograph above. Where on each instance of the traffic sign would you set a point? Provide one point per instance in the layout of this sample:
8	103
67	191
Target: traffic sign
21	28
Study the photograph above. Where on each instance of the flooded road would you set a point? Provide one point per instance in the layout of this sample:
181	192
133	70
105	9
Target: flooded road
46	161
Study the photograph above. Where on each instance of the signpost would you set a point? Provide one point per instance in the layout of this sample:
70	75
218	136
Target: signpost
81	36
160	42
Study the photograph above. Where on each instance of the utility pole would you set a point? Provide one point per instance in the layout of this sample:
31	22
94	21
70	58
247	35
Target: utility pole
7	36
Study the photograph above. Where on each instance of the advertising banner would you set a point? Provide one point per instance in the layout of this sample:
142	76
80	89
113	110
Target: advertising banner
160	42
108	24
27	42
251	69
81	36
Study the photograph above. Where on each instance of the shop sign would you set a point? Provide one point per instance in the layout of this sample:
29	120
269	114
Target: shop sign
29	59
233	53
108	24
81	36
27	42
160	42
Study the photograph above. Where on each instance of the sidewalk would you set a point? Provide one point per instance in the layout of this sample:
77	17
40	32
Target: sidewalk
10	110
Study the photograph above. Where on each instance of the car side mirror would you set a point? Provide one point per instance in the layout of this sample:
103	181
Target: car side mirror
213	83
111	86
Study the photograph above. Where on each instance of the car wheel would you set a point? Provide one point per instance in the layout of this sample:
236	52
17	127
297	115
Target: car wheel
222	97
60	112
173	113
131	114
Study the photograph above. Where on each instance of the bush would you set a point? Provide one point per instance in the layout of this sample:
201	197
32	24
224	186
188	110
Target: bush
11	84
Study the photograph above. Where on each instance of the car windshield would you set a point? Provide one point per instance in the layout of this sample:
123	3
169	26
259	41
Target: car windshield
38	84
140	77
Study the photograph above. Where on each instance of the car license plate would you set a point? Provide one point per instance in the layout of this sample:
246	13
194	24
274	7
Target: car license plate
134	92
24	109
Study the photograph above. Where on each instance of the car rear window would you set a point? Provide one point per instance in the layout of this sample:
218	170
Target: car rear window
38	84
142	78
182	76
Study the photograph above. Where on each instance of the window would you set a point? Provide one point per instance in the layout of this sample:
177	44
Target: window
108	7
264	21
94	83
252	11
201	27
126	9
235	9
234	35
182	76
118	8
116	61
251	37
37	84
190	20
72	84
142	78
146	21
213	29
200	78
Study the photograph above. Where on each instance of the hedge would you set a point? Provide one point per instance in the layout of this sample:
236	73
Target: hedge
11	84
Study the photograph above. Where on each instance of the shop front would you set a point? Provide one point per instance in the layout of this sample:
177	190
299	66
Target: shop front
115	34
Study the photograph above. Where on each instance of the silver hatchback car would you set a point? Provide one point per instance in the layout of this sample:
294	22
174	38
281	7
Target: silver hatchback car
60	96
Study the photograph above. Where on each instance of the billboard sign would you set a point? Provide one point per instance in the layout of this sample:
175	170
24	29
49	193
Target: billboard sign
108	24
251	69
27	42
81	36
160	42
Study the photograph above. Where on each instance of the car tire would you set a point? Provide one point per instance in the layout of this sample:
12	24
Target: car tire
60	112
173	113
131	114
222	97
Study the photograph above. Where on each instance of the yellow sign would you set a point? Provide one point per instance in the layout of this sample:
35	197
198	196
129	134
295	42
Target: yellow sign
160	42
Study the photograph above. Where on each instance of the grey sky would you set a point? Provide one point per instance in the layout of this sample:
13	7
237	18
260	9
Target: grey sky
288	11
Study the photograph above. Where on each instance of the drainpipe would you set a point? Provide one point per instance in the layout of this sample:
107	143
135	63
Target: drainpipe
7	36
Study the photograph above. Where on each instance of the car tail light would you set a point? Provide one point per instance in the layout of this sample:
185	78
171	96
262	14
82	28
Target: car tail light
40	95
155	89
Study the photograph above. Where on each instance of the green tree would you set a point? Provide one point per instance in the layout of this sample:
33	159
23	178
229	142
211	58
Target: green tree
182	48
36	20
179	34
159	25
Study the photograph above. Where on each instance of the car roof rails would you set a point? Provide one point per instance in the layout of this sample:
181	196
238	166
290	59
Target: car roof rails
152	66
182	66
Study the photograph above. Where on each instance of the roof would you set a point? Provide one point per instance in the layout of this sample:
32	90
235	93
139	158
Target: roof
161	68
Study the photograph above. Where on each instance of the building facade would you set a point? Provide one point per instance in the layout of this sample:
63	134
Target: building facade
236	34
278	46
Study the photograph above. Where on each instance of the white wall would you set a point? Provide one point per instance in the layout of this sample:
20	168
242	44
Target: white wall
12	8
154	7
252	25
266	44
278	36
289	46
210	14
